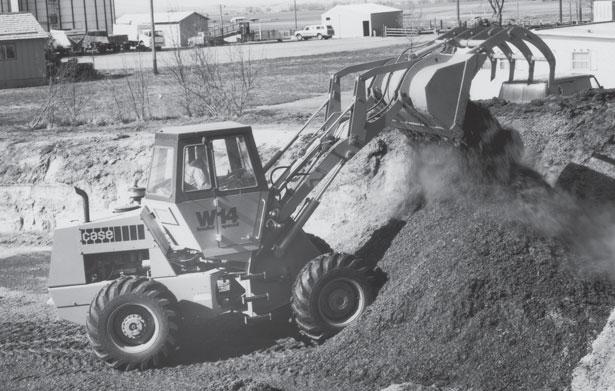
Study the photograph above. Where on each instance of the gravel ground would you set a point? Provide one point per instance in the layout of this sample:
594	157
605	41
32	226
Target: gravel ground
136	60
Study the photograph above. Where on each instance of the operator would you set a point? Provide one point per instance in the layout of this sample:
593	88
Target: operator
197	174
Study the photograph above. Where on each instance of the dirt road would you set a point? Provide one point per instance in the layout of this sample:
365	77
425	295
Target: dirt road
256	52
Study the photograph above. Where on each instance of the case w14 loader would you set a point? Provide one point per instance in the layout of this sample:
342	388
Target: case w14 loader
218	231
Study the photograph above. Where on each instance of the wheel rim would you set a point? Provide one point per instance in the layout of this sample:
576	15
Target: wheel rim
133	328
341	301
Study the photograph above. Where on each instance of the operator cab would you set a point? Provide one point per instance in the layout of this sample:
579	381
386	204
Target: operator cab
207	188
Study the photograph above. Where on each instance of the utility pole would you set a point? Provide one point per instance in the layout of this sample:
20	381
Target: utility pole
221	22
296	27
458	14
561	16
580	11
153	37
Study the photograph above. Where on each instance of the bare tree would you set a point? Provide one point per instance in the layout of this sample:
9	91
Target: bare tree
137	92
66	101
180	74
497	6
211	87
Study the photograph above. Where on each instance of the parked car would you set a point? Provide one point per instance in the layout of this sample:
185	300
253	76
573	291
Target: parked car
315	31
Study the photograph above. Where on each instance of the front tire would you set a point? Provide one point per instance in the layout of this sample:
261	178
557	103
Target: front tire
299	37
133	323
319	36
330	292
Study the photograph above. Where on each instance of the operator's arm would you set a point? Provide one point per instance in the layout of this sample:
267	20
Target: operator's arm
197	177
200	179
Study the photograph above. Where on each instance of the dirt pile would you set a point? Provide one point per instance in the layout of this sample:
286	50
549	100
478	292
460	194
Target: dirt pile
476	298
496	281
374	187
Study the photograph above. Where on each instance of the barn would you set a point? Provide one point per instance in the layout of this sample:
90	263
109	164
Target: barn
22	51
362	20
176	27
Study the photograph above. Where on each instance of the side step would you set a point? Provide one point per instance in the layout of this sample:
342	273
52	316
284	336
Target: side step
248	320
253	298
245	276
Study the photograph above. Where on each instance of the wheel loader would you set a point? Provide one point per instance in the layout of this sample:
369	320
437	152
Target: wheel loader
216	231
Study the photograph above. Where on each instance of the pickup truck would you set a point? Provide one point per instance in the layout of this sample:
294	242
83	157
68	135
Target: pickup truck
314	31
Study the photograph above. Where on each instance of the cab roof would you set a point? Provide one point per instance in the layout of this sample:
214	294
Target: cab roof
196	130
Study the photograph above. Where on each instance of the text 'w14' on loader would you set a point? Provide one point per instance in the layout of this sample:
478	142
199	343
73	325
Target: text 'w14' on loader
218	232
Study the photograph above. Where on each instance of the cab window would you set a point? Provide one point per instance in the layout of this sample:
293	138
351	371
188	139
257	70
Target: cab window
160	180
196	168
233	166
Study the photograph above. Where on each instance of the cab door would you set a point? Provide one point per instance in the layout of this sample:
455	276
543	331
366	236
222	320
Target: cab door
240	191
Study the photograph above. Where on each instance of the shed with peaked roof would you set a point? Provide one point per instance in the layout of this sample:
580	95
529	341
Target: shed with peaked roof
22	51
362	20
176	27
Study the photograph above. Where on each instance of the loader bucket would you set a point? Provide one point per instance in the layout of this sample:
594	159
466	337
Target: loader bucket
442	91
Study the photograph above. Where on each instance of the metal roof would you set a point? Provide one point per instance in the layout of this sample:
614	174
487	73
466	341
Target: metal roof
20	25
188	130
159	17
366	8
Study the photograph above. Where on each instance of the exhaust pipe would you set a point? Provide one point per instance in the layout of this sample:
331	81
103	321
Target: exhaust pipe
86	203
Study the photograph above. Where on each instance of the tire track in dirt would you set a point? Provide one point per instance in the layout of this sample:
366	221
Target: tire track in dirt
57	348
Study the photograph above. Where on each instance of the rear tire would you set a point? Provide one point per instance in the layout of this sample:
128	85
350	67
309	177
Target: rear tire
330	292
133	323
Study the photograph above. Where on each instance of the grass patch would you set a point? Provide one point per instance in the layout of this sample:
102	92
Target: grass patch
278	81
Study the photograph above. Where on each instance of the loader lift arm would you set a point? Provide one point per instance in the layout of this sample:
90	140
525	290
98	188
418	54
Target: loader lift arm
426	90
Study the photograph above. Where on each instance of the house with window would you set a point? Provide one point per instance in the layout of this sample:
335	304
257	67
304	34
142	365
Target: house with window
22	51
578	50
584	49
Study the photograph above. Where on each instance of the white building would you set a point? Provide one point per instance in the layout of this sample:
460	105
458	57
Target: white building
362	20
578	50
176	27
603	10
584	49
